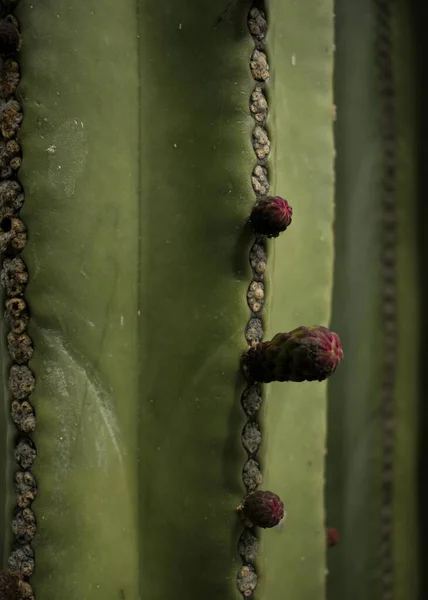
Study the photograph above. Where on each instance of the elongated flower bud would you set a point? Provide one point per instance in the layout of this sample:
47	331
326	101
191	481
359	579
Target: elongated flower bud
271	216
304	354
263	509
332	537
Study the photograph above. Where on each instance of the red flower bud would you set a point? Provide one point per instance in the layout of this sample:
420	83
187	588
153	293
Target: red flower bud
271	216
332	537
263	509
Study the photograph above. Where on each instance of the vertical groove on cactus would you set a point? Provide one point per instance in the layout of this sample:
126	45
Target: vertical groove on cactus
251	399
14	278
389	298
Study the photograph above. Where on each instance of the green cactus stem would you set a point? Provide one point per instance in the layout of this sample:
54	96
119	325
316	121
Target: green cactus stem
146	136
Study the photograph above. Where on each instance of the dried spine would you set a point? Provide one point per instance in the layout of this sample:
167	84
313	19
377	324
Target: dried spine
251	399
389	292
14	278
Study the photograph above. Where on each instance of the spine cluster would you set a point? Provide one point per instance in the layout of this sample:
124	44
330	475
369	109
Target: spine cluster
14	279
252	396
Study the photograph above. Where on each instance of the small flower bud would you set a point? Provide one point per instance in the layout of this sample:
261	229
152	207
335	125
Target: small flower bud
271	216
263	509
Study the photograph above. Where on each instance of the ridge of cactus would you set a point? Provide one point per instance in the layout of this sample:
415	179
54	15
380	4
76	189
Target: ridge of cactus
372	488
148	129
14	279
299	279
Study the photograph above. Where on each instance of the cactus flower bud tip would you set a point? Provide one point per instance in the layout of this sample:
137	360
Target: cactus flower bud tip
304	354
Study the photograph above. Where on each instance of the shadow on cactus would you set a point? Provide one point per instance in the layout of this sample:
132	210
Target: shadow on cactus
10	38
304	354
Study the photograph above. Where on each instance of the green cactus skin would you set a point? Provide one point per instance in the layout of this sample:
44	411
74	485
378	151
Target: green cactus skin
354	441
137	172
300	282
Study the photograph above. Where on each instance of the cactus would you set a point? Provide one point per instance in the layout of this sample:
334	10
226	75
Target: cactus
371	468
271	216
138	272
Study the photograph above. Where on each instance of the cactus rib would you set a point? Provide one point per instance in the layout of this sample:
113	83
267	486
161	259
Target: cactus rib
251	398
389	295
14	278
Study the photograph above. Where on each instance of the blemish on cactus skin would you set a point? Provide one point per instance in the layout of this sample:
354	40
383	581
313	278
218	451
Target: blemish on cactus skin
25	453
21	381
258	260
259	66
24	525
9	78
21	561
14	276
16	315
251	400
13	234
247	580
10	38
259	181
251	437
261	143
254	331
264	509
11	195
25	590
10	158
248	547
304	354
258	105
10	118
257	25
20	347
332	537
256	296
23	416
271	216
251	475
25	488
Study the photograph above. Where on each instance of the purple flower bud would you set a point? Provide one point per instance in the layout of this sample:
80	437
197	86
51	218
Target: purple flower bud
271	216
263	509
304	354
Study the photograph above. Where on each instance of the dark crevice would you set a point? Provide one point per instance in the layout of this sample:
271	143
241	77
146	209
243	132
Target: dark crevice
421	53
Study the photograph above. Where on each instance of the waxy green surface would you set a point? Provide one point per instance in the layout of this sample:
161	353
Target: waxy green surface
300	266
137	164
354	439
